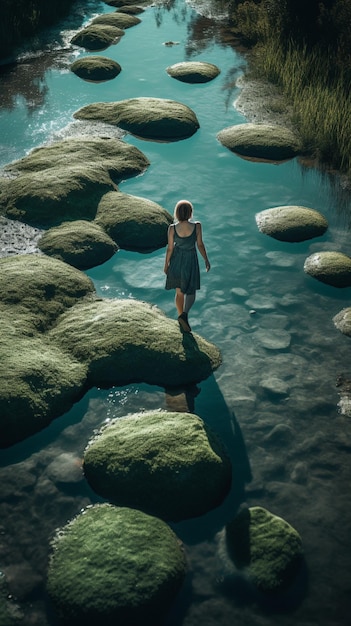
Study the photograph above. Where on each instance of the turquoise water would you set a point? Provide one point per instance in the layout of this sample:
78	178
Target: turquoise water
290	451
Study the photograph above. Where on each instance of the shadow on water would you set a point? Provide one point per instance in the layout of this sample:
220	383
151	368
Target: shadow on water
211	407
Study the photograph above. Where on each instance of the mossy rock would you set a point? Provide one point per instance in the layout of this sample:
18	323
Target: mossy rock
57	339
193	71
342	321
133	223
169	464
291	223
132	9
260	141
97	36
266	547
121	3
131	341
66	180
96	68
81	244
113	566
332	268
117	19
147	118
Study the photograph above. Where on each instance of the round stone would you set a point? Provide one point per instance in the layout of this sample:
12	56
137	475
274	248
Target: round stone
260	141
332	268
291	223
342	321
193	71
114	565
265	547
169	464
96	68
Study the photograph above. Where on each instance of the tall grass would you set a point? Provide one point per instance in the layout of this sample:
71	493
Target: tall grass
315	81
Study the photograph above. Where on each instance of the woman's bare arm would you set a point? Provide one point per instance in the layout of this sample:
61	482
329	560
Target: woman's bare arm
201	246
170	247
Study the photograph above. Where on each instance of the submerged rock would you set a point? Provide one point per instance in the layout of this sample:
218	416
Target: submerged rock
260	141
9	614
96	68
332	268
148	118
169	464
81	244
117	19
66	180
57	339
193	71
97	36
265	547
115	565
133	223
291	223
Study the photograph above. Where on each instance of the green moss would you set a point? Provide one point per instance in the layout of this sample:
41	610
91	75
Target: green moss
81	244
115	564
149	118
291	223
66	180
266	546
166	463
134	223
193	71
260	141
332	268
129	340
120	20
96	68
97	36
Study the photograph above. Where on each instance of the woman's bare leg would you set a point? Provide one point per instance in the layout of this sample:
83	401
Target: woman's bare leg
189	301
179	301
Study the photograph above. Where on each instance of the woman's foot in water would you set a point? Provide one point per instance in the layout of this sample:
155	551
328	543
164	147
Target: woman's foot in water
183	322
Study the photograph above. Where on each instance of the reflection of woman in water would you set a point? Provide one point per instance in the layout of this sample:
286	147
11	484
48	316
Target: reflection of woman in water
181	264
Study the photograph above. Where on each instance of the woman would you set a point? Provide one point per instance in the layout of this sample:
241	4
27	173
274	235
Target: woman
181	264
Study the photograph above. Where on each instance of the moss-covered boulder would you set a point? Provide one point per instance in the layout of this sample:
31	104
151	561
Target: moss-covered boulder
113	566
81	244
147	118
261	141
131	341
266	547
291	223
332	268
97	37
133	223
169	464
131	9
96	68
193	71
66	180
342	321
57	339
38	380
117	19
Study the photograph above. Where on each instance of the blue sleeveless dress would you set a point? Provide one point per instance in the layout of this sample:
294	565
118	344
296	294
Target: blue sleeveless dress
184	271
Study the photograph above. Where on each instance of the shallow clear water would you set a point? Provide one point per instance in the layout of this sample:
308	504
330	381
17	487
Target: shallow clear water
269	319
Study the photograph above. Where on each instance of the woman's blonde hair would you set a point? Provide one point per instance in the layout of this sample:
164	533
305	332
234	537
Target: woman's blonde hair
183	210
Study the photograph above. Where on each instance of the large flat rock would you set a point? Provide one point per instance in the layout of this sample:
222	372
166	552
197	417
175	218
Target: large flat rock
148	118
261	141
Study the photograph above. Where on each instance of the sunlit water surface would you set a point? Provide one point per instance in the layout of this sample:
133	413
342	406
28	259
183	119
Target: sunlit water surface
274	400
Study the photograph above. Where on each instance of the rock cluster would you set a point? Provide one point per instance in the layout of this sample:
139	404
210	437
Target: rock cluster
58	339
